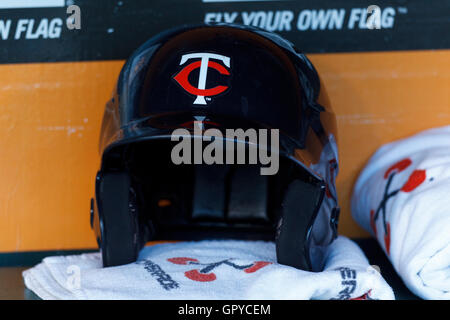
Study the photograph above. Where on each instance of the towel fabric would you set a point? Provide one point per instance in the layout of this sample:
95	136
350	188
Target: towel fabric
222	269
403	198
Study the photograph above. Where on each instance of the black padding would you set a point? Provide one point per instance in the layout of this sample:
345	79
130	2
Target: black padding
209	192
120	238
248	194
299	205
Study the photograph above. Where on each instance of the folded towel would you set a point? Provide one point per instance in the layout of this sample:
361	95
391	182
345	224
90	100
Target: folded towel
403	198
225	269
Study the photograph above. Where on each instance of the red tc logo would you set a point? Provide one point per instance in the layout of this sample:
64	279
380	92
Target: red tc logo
200	91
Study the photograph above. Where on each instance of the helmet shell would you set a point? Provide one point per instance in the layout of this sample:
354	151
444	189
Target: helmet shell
234	77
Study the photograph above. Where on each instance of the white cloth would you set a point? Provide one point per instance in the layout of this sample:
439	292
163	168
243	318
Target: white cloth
412	176
225	269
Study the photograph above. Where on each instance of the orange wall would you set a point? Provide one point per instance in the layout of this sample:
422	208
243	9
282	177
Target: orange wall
51	113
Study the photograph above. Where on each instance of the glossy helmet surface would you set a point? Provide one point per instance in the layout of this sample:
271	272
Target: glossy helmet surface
230	77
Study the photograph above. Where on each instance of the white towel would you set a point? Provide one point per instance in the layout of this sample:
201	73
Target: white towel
225	269
403	198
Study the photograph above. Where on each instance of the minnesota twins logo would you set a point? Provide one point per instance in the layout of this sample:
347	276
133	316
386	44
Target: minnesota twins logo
204	64
204	271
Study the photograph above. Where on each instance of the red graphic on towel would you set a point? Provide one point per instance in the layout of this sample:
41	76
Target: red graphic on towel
398	167
205	274
182	261
197	275
256	266
365	296
387	238
416	178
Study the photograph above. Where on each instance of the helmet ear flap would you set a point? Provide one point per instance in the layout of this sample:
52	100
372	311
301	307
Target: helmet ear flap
120	236
295	223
